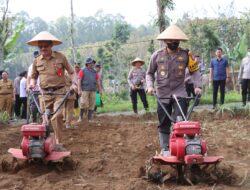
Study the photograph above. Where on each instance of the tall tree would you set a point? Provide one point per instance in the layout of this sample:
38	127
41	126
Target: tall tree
5	28
162	6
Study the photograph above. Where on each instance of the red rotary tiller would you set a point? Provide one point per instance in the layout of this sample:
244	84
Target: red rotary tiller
186	146
38	143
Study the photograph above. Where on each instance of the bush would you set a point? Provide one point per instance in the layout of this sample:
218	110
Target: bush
4	117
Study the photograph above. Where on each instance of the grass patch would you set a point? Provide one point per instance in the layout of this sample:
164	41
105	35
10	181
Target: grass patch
123	104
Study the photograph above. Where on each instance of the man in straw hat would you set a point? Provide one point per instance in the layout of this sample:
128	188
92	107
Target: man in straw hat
50	66
136	80
167	69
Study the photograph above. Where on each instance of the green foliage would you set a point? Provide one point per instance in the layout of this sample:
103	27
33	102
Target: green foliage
12	40
151	47
4	117
121	33
221	110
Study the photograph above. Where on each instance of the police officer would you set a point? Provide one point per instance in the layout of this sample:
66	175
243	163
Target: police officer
50	66
136	80
6	93
167	69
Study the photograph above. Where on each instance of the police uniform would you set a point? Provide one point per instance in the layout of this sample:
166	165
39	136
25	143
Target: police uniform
136	78
166	72
6	95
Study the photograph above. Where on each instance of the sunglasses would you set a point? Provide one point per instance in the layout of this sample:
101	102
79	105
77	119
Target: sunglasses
44	46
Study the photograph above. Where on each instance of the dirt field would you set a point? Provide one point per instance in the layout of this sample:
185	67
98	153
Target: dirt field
112	152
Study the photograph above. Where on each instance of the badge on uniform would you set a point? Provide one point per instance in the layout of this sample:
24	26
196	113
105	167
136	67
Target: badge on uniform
180	58
59	70
163	73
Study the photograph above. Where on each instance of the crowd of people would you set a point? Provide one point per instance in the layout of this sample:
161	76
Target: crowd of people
172	70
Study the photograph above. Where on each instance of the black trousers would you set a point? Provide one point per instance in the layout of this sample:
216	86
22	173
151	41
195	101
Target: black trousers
142	94
173	110
245	86
17	106
216	85
24	107
76	103
190	89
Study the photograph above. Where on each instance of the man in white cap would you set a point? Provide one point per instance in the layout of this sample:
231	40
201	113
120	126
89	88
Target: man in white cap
50	66
167	72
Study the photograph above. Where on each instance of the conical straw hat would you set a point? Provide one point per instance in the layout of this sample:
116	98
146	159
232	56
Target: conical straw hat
44	36
137	60
173	32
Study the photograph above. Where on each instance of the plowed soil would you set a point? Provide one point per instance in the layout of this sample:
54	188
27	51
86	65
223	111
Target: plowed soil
111	153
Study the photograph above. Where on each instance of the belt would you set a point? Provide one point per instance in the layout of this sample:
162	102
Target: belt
52	89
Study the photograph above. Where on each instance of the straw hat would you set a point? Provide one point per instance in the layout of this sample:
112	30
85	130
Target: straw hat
44	36
137	60
173	32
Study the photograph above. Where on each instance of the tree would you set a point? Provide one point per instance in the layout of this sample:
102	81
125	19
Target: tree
72	31
5	28
121	33
162	6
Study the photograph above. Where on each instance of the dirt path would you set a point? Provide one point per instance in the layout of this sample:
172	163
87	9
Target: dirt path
112	150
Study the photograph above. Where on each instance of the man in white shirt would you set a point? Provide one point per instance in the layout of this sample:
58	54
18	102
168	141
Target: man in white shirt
23	95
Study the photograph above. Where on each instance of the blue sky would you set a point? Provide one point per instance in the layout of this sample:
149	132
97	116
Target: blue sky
136	12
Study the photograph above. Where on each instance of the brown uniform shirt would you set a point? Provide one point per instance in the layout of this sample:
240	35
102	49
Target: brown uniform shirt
6	87
167	71
51	72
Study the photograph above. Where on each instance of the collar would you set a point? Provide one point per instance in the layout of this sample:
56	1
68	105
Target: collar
53	55
219	59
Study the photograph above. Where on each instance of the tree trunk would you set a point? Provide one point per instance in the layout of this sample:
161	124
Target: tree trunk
161	9
1	58
72	31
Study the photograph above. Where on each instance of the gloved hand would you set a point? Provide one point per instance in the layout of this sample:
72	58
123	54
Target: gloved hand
150	91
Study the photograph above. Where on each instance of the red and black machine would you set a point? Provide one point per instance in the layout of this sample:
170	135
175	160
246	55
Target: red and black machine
38	142
186	146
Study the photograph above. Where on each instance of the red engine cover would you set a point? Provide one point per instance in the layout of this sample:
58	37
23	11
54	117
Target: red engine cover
34	130
186	127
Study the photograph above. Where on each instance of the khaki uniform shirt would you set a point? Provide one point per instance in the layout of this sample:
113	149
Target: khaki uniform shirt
51	72
6	87
135	75
167	73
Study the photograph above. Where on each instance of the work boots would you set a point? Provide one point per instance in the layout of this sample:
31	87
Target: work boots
81	115
164	144
90	114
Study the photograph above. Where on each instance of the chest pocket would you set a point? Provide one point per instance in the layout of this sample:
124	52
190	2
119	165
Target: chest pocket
180	69
162	70
9	86
40	67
